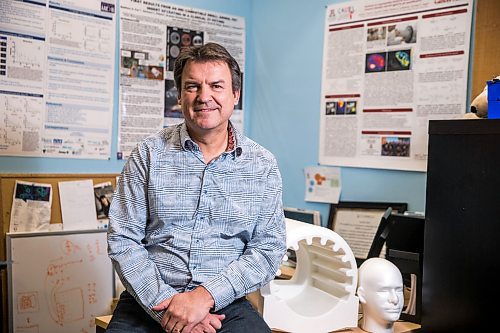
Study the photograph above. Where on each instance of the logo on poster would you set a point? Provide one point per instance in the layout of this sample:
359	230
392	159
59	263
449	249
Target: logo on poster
107	7
341	13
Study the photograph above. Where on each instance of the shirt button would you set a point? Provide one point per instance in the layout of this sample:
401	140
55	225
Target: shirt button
205	191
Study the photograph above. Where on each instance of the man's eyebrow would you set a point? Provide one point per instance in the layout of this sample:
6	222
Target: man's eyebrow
218	82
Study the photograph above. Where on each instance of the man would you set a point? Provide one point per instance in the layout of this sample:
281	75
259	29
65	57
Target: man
196	221
380	292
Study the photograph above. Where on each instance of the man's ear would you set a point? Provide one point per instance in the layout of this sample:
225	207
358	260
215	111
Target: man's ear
361	295
236	97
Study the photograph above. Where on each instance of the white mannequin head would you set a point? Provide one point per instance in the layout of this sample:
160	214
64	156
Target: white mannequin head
380	292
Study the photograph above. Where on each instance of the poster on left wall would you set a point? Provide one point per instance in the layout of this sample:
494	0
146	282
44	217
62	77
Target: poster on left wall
57	78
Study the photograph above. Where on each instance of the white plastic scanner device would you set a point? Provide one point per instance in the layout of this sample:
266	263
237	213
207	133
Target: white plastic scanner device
321	295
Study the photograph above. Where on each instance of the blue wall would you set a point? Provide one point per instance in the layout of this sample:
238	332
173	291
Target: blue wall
288	47
284	48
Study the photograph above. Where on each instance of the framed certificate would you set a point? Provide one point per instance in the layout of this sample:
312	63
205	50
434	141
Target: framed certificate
357	223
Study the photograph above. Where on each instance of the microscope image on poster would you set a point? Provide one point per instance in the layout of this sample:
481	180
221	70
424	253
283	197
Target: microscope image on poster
178	38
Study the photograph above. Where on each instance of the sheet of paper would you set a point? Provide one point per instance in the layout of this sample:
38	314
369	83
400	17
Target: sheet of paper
31	205
322	184
77	204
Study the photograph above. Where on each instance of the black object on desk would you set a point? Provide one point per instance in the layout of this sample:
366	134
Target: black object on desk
410	265
405	246
403	236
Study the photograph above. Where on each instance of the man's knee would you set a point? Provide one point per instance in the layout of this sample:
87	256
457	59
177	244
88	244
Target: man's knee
241	317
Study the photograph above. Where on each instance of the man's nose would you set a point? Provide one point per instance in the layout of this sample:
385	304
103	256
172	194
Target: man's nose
204	94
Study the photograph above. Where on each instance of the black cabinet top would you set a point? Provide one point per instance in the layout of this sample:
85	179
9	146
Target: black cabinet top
464	126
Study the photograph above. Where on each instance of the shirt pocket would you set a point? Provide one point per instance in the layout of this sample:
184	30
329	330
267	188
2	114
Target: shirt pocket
237	220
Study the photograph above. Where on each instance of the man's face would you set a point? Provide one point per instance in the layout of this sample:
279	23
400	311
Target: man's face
206	96
385	299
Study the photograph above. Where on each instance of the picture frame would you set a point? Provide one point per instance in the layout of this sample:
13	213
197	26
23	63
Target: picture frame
357	222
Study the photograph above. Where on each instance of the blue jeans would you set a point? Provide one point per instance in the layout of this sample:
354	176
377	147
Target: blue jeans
130	317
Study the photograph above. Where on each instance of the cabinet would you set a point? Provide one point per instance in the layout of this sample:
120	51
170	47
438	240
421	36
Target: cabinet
462	227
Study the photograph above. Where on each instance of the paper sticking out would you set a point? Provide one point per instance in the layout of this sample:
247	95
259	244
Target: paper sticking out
103	194
77	204
31	204
322	184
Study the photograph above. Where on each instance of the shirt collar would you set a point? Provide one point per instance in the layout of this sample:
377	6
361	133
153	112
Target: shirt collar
235	149
186	141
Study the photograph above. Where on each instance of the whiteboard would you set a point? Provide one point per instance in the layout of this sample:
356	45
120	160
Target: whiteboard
58	281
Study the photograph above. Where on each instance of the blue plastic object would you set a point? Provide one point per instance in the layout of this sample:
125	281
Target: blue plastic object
493	98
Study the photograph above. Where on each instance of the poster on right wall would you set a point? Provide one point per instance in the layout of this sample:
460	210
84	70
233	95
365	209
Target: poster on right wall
388	68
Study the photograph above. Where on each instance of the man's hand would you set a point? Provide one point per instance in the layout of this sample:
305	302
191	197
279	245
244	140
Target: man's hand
185	310
209	324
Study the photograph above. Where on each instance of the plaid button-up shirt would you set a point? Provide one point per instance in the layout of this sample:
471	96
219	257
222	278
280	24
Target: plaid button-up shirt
176	222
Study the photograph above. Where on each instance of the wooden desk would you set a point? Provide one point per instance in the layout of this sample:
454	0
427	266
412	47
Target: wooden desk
101	323
399	327
257	302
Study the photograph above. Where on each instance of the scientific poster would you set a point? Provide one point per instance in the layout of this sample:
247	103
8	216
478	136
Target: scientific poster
390	66
152	34
56	78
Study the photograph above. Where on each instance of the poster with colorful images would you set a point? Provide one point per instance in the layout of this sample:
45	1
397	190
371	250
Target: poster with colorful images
388	68
152	35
